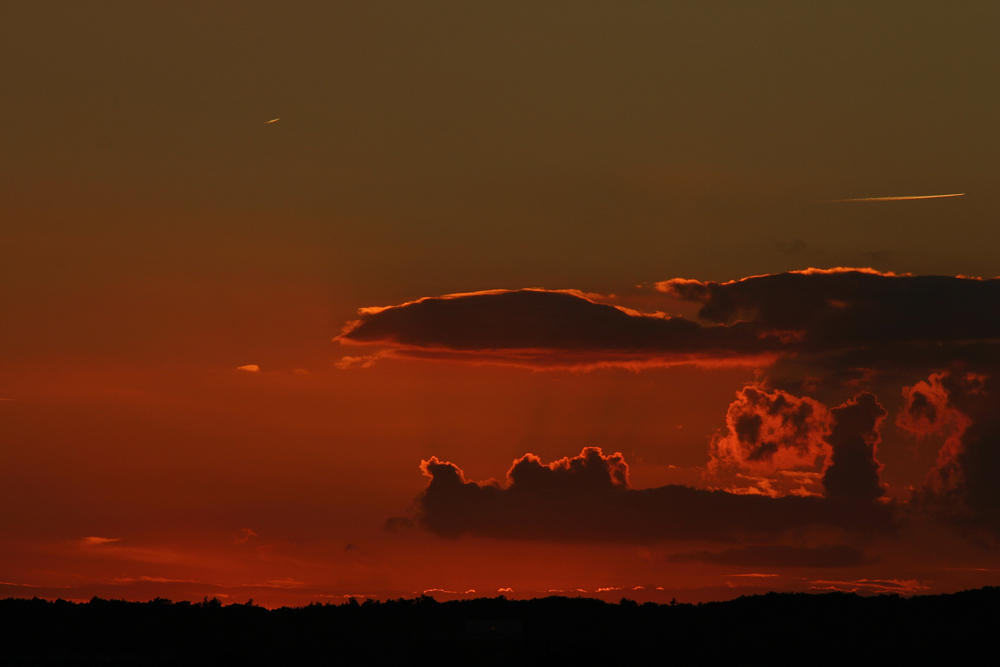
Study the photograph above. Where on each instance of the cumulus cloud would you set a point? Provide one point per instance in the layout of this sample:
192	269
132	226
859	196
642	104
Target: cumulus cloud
928	410
853	473
771	431
784	440
962	406
588	498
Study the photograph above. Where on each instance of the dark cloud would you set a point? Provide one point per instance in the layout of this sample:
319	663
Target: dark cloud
823	334
840	307
588	498
876	319
544	320
780	555
929	410
768	431
962	488
853	473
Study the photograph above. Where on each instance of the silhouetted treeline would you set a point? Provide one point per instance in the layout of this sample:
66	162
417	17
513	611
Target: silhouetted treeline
777	628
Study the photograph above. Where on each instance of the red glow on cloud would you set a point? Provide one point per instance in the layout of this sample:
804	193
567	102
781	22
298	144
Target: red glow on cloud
246	534
95	541
771	431
696	290
848	269
587	462
593	297
899	586
564	360
930	410
365	361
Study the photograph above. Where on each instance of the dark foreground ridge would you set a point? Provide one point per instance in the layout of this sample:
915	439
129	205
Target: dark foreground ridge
777	628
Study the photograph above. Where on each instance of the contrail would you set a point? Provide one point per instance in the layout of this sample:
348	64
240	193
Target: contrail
273	120
957	194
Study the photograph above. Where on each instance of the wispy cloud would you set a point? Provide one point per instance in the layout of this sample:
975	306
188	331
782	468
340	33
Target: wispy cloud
11	583
901	586
154	580
245	535
287	582
903	198
94	541
358	362
250	368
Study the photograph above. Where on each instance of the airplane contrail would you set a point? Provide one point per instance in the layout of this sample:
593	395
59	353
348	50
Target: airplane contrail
273	120
957	194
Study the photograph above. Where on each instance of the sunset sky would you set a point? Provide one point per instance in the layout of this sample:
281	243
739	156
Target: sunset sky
305	300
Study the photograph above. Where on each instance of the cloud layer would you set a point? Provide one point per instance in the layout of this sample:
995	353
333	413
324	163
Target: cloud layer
813	311
831	309
561	326
839	328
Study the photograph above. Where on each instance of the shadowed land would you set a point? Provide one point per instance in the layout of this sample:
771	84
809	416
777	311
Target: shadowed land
777	628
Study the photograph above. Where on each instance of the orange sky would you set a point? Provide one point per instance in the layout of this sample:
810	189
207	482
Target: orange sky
156	234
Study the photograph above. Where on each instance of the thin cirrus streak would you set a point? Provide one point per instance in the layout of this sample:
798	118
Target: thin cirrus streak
956	194
94	541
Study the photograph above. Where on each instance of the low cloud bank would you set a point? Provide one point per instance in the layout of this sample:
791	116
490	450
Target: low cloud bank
588	498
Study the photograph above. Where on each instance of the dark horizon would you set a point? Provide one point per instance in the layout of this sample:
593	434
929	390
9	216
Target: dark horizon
423	631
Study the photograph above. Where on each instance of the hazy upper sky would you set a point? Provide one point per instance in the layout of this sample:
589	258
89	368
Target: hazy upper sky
156	233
